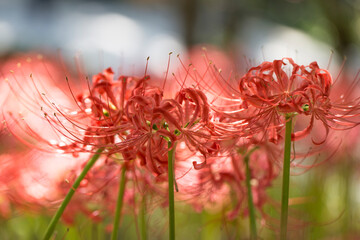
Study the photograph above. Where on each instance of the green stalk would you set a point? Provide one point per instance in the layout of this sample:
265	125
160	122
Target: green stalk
253	232
119	203
286	178
59	212
171	192
143	218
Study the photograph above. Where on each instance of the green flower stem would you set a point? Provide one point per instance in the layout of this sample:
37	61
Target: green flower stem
119	203
59	212
253	232
171	192
143	218
286	178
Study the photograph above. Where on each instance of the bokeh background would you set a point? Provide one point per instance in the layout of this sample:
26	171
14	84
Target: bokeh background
126	32
123	33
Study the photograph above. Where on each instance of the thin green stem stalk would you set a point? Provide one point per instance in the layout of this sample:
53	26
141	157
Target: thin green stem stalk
59	212
286	179
252	218
143	218
171	192
119	203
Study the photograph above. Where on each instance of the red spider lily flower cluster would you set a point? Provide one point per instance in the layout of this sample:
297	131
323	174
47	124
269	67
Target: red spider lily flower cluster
210	121
274	89
220	183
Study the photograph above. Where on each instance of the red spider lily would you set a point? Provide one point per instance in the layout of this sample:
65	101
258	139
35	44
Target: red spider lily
112	113
209	187
28	178
336	138
333	112
102	108
197	127
209	107
215	80
91	120
188	117
224	176
149	130
157	120
274	89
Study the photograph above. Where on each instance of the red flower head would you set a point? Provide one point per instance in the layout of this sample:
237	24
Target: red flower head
58	119
275	89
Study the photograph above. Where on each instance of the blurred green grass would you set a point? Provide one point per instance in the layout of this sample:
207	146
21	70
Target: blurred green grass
325	206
